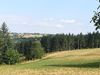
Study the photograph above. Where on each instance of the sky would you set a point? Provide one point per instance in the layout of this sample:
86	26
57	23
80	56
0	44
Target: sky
48	16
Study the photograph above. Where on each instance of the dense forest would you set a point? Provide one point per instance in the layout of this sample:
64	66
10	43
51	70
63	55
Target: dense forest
60	42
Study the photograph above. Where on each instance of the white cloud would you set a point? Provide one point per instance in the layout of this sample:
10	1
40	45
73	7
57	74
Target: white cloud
67	21
59	26
48	19
57	23
28	24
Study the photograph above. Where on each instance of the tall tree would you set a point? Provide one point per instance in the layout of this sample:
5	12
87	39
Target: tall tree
38	51
6	42
5	36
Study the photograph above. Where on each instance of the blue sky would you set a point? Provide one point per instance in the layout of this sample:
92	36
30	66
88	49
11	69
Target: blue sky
48	16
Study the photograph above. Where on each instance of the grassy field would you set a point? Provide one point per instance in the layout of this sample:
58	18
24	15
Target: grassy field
77	62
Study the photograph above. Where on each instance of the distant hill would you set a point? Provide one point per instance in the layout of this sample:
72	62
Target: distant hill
26	35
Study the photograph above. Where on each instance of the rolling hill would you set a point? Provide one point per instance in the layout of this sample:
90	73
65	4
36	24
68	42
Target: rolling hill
76	62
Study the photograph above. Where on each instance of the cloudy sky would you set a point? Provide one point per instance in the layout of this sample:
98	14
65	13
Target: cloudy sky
48	16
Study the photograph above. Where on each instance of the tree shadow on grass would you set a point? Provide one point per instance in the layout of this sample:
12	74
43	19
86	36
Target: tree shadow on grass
85	65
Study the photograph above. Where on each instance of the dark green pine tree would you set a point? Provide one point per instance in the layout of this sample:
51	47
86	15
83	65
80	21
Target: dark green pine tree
6	41
5	37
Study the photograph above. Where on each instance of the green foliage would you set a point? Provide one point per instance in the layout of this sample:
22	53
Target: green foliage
38	51
11	56
32	50
7	53
96	18
29	54
61	42
6	39
46	42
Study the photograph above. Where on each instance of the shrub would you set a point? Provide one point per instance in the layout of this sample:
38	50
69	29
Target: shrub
11	56
38	53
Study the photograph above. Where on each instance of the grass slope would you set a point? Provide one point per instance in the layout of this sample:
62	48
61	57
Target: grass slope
77	62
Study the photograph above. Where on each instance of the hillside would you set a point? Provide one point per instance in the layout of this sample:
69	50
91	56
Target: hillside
77	62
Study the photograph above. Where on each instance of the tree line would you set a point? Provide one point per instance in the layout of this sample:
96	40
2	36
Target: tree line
61	42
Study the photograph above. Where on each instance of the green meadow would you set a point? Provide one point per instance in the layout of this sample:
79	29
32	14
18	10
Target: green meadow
76	62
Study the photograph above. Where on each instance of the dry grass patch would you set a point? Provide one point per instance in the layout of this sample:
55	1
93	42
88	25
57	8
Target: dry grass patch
63	71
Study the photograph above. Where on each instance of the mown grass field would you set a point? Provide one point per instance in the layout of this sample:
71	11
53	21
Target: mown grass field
77	62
